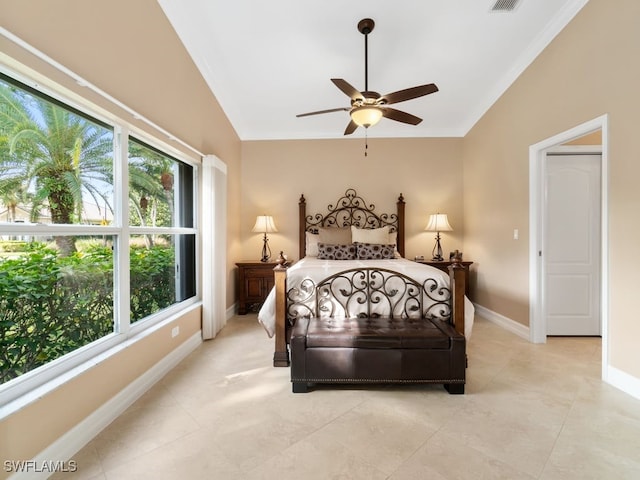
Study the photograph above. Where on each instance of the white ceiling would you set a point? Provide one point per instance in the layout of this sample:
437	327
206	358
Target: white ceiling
267	61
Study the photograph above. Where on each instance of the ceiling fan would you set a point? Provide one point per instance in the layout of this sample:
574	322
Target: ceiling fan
368	107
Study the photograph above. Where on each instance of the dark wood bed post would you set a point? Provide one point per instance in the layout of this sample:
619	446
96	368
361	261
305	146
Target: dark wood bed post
457	274
281	354
400	237
302	213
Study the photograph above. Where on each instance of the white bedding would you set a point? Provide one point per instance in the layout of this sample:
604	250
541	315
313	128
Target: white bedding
316	270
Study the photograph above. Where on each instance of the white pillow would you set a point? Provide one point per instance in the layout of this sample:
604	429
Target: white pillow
335	235
393	239
311	244
370	235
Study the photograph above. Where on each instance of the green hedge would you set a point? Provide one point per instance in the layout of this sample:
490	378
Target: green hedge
9	246
52	305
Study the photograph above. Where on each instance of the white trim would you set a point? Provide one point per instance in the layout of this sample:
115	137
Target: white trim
232	311
574	149
121	255
508	324
623	381
73	440
217	163
213	229
537	153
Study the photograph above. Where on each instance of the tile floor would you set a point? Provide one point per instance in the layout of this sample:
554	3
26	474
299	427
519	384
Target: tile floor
529	412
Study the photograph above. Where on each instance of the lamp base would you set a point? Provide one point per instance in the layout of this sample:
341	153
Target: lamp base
266	251
437	250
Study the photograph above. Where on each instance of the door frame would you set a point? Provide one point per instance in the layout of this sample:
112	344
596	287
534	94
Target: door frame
537	155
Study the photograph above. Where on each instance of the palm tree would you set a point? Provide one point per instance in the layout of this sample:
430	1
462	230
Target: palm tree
11	195
57	155
151	179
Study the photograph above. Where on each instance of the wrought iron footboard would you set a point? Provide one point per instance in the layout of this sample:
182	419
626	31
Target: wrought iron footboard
369	292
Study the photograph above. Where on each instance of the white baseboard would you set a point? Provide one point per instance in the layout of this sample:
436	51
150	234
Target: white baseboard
623	381
232	311
504	322
71	442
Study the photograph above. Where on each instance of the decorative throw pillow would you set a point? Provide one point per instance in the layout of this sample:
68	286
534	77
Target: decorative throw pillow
311	244
335	235
370	235
375	251
328	251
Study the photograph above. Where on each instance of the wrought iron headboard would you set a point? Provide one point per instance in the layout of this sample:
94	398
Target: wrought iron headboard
351	209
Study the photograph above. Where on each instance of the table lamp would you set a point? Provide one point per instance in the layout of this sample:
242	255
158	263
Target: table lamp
438	223
265	224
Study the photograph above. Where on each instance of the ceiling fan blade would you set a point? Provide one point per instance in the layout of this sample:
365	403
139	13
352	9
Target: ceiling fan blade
323	111
408	94
351	128
347	88
398	116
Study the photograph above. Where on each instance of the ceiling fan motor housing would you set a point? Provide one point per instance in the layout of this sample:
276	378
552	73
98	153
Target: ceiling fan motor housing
368	98
365	26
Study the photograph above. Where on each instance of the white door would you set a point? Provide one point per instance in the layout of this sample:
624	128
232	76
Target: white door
571	247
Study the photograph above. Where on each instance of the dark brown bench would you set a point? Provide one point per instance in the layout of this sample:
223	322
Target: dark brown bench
404	343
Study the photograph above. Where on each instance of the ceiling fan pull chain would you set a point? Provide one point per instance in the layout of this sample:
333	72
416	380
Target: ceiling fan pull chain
366	141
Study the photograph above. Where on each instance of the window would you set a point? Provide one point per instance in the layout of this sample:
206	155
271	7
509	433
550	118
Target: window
66	242
160	205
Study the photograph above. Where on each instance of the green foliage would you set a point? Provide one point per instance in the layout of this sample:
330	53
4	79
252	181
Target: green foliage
51	305
9	246
152	280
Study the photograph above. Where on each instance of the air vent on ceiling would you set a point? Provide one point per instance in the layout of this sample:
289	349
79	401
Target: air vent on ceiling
504	5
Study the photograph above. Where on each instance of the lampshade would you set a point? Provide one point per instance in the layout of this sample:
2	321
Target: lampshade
366	115
438	223
264	224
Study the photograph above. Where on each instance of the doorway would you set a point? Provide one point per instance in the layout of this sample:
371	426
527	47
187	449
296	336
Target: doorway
537	283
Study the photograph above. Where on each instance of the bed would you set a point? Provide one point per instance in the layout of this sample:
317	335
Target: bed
295	293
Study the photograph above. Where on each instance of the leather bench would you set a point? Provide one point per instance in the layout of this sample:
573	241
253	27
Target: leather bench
376	350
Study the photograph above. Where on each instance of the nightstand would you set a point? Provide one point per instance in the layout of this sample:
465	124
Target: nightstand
255	281
444	266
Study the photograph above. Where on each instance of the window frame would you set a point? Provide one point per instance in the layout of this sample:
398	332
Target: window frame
31	385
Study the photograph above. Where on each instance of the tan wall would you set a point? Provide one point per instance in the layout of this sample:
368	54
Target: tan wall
428	172
593	138
587	71
129	50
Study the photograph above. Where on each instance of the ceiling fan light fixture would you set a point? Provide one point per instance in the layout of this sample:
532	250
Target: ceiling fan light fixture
366	116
